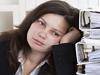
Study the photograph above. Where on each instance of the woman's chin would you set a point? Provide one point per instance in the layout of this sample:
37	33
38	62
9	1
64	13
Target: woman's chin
40	49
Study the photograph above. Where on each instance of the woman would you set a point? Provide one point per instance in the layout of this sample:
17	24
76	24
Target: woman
44	43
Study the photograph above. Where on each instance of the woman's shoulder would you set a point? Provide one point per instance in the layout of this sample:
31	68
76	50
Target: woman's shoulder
4	42
4	49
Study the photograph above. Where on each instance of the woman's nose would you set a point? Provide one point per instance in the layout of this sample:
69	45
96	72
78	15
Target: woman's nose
42	34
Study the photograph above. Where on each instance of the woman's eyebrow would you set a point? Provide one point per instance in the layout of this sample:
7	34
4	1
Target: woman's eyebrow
43	20
58	31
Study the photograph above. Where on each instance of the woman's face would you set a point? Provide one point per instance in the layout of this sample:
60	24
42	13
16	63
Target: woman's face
46	31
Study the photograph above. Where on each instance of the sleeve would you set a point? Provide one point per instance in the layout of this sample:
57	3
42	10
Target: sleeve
64	57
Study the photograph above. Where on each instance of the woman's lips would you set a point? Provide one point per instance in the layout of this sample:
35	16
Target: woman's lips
38	42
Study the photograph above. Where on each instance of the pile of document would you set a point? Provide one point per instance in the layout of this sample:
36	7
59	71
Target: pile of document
95	34
95	20
94	67
95	24
90	48
94	56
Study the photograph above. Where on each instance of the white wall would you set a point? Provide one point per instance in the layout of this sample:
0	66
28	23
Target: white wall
19	8
6	21
7	2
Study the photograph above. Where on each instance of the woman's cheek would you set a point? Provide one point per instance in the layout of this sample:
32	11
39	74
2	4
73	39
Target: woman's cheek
54	41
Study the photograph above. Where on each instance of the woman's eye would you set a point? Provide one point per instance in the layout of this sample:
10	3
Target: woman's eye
40	22
56	34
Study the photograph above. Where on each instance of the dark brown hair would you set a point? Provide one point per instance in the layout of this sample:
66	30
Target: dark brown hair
18	37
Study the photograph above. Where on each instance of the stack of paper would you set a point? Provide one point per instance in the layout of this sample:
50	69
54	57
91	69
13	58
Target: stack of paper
95	33
95	20
94	56
95	24
89	41
92	69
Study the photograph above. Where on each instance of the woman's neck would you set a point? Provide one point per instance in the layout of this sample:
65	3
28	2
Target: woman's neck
36	57
31	62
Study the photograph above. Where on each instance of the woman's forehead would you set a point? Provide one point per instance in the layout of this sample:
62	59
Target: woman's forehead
55	20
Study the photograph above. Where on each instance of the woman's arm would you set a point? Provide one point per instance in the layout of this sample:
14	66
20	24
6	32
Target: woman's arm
65	59
74	35
64	54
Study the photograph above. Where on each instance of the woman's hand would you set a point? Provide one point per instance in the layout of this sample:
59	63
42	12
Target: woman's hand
72	36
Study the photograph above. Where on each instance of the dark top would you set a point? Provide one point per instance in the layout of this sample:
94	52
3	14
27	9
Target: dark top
64	58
